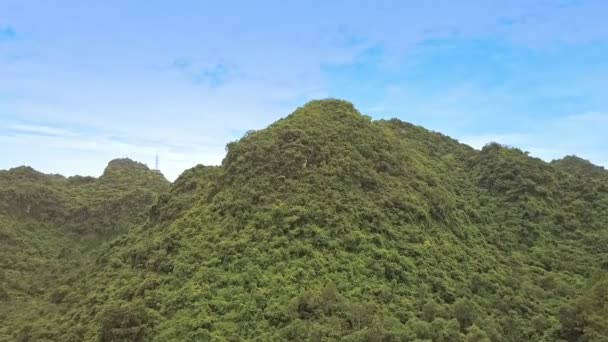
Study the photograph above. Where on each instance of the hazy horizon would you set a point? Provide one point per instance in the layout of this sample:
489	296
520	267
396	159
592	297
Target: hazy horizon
152	165
88	83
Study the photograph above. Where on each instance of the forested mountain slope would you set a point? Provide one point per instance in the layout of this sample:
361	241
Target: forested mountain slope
329	226
49	224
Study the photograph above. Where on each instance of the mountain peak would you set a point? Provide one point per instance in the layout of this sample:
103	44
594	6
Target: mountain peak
126	172
326	109
329	104
125	164
577	165
26	172
573	159
319	133
31	174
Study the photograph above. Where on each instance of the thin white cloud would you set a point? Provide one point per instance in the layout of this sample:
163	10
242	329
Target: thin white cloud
143	110
38	129
594	117
51	149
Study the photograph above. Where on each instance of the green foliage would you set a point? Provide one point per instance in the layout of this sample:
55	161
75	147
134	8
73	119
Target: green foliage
128	322
328	226
49	226
584	319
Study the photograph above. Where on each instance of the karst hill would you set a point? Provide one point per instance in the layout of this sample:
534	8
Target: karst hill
325	226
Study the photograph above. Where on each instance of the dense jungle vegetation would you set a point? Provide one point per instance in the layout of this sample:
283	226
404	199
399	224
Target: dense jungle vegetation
325	226
50	227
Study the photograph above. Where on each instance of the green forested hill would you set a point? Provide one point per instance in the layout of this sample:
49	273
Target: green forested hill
328	226
49	225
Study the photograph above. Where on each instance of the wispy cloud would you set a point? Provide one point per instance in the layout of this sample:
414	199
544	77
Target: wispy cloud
50	149
38	129
482	70
7	33
592	118
212	74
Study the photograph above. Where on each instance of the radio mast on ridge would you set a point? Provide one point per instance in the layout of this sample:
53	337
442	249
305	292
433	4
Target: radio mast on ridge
156	164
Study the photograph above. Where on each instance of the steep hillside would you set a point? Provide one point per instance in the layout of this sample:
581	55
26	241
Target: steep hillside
328	226
49	224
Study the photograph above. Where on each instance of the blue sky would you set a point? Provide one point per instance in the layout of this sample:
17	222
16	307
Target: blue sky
82	83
